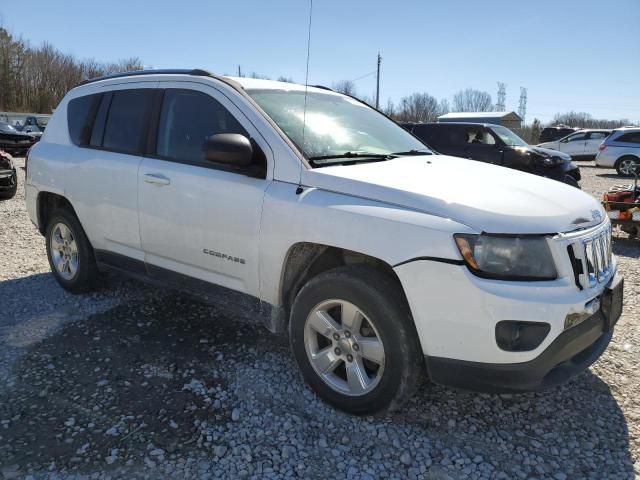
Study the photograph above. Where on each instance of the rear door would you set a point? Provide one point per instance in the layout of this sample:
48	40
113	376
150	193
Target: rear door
111	131
593	141
198	218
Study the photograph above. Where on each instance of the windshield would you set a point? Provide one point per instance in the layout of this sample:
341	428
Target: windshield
336	126
508	137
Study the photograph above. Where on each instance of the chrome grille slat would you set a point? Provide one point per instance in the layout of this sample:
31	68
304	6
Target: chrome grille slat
596	257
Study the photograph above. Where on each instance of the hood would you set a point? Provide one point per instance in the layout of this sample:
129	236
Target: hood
549	152
485	197
548	145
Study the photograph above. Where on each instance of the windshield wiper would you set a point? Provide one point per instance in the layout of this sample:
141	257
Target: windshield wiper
411	152
356	155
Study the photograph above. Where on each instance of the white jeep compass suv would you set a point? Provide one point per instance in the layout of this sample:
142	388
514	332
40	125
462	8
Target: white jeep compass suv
315	213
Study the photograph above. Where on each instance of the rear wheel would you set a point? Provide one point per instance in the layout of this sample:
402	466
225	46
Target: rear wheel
625	166
354	340
70	254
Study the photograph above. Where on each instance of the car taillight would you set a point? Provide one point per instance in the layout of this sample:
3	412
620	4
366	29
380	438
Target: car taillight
602	147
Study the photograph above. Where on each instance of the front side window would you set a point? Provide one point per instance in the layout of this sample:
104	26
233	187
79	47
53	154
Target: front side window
508	137
187	118
478	136
127	120
334	126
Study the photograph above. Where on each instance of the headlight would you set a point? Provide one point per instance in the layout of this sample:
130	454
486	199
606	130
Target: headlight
552	161
505	257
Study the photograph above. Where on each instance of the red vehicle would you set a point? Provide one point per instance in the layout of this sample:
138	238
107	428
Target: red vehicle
622	203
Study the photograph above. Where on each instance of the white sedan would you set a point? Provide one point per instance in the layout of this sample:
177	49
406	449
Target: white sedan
581	145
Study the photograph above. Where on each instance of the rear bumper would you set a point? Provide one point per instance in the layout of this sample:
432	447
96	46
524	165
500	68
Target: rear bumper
570	353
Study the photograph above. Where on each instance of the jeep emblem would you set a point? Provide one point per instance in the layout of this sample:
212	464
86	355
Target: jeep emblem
595	214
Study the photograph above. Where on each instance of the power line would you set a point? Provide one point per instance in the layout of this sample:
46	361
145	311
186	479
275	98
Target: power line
364	76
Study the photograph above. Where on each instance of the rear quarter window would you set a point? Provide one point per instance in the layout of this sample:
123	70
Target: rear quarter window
631	137
80	114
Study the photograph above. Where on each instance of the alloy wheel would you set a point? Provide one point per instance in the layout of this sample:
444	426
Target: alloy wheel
344	347
64	251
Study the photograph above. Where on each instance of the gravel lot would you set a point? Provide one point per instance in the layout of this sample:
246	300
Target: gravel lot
134	382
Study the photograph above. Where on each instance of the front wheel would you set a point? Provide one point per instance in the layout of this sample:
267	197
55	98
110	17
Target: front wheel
570	180
353	338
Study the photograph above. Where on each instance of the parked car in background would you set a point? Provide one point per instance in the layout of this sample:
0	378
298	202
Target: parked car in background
8	176
14	141
383	262
581	145
550	134
497	145
621	150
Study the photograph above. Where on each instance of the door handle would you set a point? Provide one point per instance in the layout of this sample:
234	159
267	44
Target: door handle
156	179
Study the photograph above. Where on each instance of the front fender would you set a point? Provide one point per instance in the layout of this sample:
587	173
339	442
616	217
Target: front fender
390	233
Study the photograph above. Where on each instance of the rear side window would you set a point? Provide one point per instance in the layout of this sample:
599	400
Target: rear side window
80	114
187	118
631	137
127	120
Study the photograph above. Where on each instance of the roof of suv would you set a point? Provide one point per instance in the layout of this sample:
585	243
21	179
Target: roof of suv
246	83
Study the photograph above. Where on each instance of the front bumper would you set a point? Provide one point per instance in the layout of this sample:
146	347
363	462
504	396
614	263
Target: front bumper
569	354
560	171
7	179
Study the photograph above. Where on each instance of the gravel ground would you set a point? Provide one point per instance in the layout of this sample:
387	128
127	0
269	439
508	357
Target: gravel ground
135	382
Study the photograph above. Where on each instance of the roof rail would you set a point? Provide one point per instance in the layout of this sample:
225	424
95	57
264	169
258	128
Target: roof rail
183	71
322	87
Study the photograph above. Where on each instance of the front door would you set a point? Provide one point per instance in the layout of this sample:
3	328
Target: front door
573	144
199	218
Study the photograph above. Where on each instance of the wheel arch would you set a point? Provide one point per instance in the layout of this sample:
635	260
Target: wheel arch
48	202
305	260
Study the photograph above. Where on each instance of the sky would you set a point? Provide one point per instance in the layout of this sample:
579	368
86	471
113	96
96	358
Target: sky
570	54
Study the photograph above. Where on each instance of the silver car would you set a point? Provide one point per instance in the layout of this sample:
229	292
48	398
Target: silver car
621	150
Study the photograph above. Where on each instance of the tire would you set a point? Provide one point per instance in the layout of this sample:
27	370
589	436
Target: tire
623	163
7	194
570	180
384	319
81	274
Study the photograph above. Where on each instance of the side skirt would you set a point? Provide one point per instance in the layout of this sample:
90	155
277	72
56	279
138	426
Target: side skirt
244	305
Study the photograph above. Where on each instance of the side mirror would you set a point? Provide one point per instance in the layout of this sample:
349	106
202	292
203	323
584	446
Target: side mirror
228	148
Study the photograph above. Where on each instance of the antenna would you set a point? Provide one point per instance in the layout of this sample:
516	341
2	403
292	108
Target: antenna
306	78
378	83
306	88
522	108
502	97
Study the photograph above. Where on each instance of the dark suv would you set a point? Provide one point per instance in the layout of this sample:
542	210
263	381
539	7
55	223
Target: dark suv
498	145
551	134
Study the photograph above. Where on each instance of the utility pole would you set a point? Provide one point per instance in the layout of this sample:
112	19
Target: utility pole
239	72
378	83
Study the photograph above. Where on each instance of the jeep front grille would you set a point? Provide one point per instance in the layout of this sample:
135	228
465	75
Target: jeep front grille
591	259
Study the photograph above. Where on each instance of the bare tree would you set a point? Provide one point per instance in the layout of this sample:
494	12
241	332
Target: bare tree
471	100
584	120
36	79
284	78
419	107
345	86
